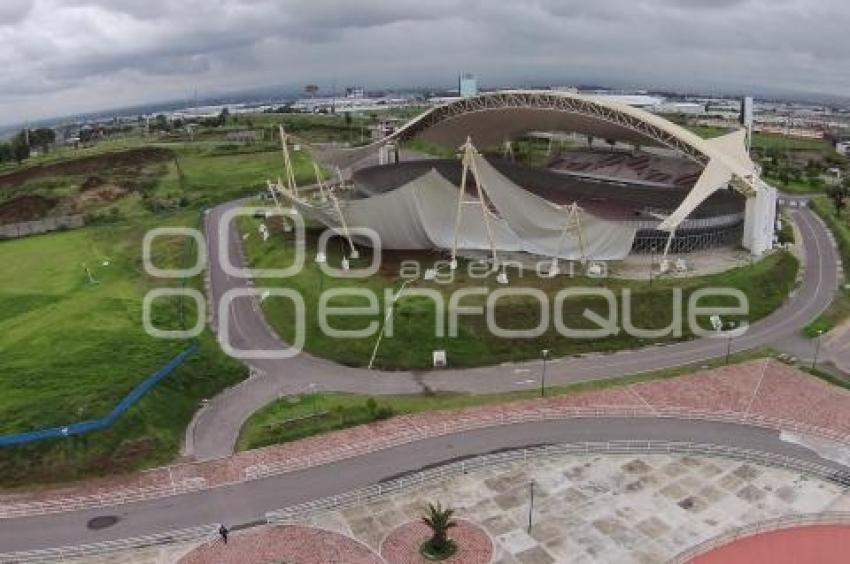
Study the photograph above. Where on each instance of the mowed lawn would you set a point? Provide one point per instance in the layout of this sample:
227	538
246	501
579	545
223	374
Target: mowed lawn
76	346
766	285
70	350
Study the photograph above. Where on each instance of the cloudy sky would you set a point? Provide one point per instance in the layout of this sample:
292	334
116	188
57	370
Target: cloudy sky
65	56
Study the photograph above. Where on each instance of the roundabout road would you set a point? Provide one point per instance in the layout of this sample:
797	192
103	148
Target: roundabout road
248	502
215	429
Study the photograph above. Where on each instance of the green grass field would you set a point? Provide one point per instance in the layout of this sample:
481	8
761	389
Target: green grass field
766	285
72	350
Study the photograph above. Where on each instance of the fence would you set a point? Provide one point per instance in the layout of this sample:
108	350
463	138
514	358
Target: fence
461	423
98	424
194	481
193	534
377	491
25	228
787	522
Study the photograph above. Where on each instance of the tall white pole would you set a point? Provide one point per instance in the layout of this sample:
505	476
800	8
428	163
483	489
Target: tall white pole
460	195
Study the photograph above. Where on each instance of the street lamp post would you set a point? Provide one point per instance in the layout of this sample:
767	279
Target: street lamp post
651	264
545	353
817	349
730	327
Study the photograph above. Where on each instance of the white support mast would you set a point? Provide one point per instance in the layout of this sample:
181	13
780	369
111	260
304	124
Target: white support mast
287	163
320	183
354	252
469	165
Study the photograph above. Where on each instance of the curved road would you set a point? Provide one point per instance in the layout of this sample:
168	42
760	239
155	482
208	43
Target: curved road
249	501
215	429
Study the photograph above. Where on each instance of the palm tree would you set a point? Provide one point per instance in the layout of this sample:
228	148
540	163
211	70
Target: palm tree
439	520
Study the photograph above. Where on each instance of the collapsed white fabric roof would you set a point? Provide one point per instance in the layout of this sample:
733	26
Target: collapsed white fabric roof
422	215
540	224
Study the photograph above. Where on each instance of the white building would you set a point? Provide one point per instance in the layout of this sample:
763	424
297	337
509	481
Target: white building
467	85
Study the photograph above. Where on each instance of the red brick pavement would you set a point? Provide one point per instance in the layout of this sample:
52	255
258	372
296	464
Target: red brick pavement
301	545
757	389
402	545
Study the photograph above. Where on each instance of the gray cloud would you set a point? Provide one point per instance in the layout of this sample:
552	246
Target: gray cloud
64	56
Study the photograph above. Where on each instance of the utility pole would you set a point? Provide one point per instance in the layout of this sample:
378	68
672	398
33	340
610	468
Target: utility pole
729	341
545	353
530	504
817	349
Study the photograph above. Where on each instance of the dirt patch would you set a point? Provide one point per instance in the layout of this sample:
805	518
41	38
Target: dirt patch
25	208
93	165
92	182
103	194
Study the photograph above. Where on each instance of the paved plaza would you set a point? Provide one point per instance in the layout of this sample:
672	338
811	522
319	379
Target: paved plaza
601	508
596	508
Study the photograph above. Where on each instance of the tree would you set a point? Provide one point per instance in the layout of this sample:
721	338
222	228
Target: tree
347	117
838	195
439	520
5	152
42	137
222	117
20	147
162	122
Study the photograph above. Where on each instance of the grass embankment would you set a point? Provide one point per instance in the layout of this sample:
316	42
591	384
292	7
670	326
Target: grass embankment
839	310
109	187
297	417
71	350
766	285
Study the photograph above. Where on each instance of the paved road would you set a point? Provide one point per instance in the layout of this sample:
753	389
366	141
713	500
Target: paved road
215	429
248	502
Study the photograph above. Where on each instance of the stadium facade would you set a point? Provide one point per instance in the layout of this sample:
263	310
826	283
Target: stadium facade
669	190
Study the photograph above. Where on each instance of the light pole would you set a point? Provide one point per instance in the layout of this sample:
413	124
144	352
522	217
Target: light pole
315	393
730	326
545	353
651	263
817	348
530	504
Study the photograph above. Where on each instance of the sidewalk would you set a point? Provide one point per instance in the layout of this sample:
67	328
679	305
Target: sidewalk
762	392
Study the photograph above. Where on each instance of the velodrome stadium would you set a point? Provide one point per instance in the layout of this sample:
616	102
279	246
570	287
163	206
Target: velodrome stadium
630	182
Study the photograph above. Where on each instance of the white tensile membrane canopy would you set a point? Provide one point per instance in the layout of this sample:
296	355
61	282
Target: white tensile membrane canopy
545	228
728	158
423	214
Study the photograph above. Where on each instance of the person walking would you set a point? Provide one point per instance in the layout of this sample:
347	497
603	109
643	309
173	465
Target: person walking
223	532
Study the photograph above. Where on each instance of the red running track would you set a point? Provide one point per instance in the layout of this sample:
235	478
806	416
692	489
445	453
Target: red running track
813	544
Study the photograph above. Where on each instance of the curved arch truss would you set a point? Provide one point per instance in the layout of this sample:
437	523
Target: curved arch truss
551	101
